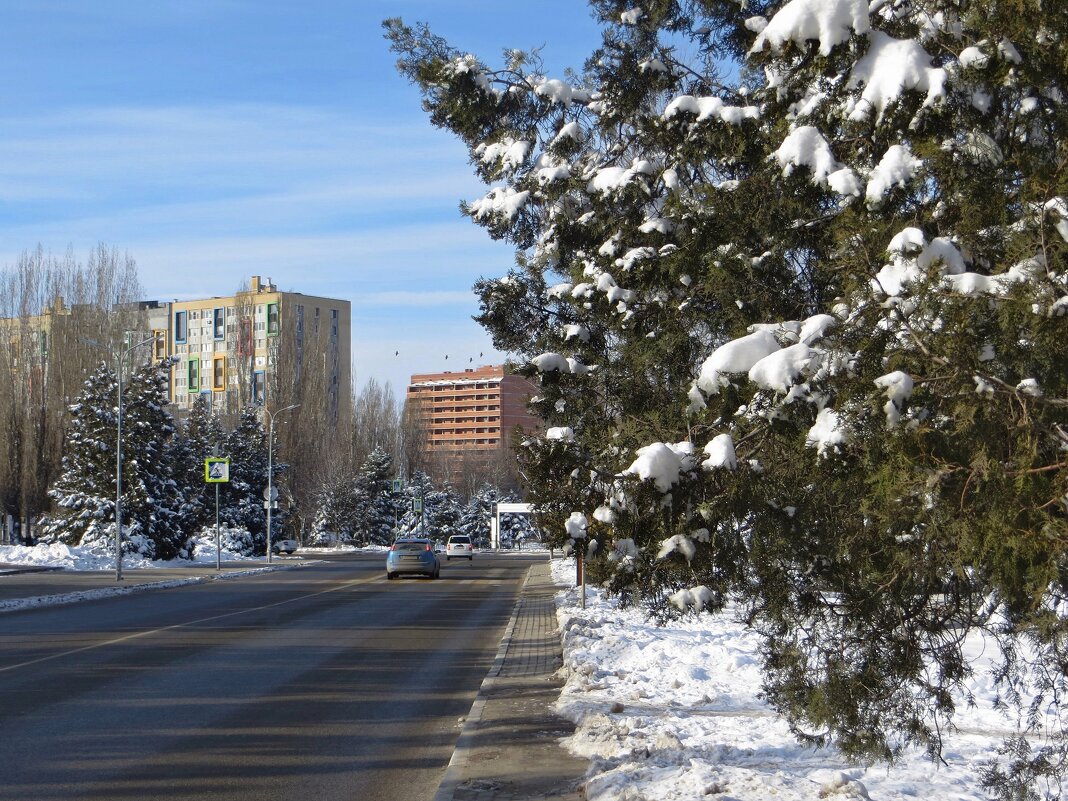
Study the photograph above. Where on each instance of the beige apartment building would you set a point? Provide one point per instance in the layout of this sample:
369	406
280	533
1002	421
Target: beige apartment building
473	410
236	348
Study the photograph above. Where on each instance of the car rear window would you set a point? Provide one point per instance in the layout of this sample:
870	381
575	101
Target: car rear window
459	540
409	545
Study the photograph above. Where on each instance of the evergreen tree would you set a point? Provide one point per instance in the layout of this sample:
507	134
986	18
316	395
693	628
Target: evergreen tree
793	277
242	497
444	508
475	520
152	502
201	436
84	494
336	509
377	512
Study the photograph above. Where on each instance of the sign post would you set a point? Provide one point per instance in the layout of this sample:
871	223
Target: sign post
217	471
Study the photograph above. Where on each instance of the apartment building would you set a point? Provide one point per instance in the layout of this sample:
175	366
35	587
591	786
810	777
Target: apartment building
235	348
473	410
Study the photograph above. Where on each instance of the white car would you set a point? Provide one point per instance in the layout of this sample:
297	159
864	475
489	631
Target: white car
459	546
284	546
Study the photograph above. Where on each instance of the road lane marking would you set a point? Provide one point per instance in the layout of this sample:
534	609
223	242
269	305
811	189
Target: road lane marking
139	634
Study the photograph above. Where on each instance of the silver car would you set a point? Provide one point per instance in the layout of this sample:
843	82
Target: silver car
412	556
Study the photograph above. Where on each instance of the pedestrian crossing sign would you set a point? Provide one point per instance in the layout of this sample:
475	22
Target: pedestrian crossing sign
217	470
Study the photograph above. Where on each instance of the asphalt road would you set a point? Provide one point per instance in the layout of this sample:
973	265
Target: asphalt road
323	682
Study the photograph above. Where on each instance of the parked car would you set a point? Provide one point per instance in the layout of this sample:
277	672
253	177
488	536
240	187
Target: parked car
284	546
412	556
460	546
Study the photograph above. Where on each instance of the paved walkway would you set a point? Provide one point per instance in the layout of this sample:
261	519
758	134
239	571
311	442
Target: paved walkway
509	748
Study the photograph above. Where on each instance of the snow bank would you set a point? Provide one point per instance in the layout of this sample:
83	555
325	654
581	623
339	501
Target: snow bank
673	713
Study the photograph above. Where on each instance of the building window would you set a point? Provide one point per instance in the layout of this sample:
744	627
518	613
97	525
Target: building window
219	323
218	373
181	329
193	373
272	319
159	344
257	386
300	319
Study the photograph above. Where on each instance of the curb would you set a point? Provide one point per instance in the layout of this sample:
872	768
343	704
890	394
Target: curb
460	754
14	570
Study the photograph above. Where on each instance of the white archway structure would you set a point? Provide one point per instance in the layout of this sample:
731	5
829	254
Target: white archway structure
495	521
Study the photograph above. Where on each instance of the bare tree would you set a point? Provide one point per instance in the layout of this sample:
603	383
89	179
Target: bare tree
57	319
316	439
376	422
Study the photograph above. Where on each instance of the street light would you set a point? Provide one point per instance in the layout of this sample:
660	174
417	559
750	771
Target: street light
120	356
270	470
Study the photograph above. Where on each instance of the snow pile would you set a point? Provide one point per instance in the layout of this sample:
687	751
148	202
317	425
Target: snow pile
706	108
736	356
720	453
830	22
503	201
68	557
662	463
101	556
673	713
805	146
890	67
895	169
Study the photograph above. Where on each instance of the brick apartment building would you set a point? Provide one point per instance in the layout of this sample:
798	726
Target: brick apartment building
473	410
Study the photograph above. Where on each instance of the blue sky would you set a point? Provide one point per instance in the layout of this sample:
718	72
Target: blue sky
218	139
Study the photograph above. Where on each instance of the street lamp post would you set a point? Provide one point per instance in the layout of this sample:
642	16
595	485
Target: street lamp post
120	358
269	501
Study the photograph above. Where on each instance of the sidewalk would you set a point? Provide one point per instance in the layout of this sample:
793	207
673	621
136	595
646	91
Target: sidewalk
509	748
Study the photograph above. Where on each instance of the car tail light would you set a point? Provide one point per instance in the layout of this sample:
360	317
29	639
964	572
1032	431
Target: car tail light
428	546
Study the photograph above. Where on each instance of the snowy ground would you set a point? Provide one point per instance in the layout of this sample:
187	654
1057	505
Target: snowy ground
87	558
692	725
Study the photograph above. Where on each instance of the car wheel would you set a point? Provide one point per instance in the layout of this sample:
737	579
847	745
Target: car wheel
448	558
391	576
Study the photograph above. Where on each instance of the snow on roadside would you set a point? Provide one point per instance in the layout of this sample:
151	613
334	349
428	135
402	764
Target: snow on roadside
68	557
690	724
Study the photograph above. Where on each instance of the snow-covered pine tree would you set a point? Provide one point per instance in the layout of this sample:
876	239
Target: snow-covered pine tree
200	436
441	508
336	509
444	507
796	270
377	513
474	522
242	497
153	502
84	494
